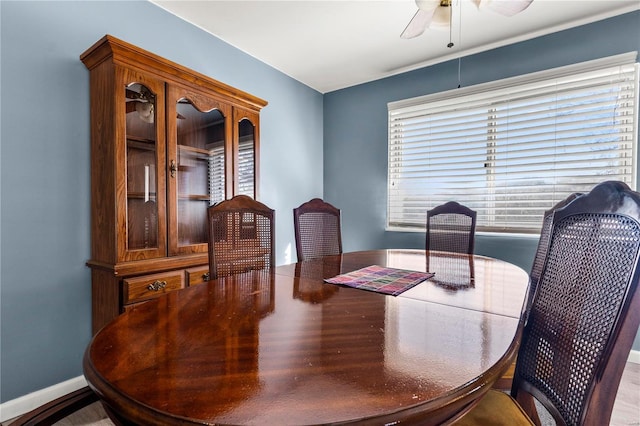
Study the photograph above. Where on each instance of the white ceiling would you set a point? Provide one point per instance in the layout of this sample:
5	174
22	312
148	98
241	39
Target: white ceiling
333	44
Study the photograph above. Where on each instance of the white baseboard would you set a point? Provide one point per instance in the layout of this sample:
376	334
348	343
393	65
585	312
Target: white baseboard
24	404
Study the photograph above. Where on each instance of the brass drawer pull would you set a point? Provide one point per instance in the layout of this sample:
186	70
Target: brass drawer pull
205	276
157	285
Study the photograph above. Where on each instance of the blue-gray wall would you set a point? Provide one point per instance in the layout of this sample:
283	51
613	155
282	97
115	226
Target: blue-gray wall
355	129
45	298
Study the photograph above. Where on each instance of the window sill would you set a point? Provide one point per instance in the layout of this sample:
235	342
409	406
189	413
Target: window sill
481	233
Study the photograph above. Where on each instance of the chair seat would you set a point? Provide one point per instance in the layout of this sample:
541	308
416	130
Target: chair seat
496	409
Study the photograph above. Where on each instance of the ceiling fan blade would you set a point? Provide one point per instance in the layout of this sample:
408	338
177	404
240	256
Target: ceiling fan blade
504	7
418	23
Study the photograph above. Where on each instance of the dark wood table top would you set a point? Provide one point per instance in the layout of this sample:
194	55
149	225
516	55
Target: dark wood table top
282	347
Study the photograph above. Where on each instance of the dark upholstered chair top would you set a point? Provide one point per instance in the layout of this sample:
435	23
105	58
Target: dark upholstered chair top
583	318
451	227
241	236
317	229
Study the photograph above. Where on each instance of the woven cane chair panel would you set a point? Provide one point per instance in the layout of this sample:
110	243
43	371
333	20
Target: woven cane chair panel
543	243
575	309
318	233
541	253
450	232
242	241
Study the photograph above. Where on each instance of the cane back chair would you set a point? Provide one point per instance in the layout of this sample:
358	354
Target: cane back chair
583	317
451	227
317	229
241	236
505	381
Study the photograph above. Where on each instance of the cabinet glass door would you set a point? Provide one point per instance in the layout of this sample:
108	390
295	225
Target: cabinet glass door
246	153
246	159
197	167
142	184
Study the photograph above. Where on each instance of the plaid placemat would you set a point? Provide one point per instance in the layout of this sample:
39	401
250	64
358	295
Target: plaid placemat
381	280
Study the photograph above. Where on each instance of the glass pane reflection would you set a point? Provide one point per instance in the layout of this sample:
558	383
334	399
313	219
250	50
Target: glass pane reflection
142	209
200	169
246	159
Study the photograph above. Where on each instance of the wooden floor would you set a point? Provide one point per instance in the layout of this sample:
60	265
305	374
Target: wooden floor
626	411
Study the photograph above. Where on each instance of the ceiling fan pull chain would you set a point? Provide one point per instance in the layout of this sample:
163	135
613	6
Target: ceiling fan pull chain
459	41
450	45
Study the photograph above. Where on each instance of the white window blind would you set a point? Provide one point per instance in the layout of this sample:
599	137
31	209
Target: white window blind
216	174
511	149
246	166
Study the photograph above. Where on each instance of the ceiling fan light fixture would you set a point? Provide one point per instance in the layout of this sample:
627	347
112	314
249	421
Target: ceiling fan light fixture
439	10
441	18
503	7
428	5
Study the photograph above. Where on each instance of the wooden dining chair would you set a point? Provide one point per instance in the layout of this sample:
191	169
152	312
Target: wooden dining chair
451	227
505	382
241	236
317	229
583	318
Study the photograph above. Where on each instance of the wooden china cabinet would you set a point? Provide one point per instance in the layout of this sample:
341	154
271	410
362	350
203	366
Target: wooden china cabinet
166	143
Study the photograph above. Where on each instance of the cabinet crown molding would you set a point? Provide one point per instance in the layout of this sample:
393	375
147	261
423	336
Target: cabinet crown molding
126	54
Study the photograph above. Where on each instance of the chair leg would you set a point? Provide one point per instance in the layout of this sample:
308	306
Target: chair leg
505	381
57	409
528	404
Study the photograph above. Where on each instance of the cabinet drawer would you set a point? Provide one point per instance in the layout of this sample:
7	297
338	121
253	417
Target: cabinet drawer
197	275
150	286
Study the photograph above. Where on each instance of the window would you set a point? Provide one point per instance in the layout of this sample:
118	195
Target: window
511	149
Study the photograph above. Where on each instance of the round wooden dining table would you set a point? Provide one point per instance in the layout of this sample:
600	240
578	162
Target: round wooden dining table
282	347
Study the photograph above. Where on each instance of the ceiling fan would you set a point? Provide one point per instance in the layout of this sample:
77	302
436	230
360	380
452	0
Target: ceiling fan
437	13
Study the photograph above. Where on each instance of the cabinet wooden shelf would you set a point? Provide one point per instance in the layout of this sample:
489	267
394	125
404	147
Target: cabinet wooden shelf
193	197
166	142
131	138
144	145
141	195
195	150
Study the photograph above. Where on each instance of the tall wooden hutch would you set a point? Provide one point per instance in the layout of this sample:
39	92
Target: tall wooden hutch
166	143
